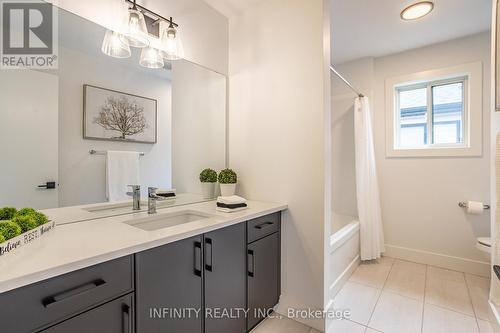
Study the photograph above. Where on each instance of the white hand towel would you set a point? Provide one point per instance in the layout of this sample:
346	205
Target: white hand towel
122	169
232	200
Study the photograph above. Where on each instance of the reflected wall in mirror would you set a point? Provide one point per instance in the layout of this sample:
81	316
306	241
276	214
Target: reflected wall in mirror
497	58
41	124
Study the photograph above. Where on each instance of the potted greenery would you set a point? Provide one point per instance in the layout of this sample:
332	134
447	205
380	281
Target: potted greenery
208	178
227	180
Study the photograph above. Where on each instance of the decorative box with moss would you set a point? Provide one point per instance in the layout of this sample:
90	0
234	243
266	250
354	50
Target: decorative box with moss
18	228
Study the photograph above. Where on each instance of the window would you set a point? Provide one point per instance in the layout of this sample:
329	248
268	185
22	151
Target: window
435	113
431	114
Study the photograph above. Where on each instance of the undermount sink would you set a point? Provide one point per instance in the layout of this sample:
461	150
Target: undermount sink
167	220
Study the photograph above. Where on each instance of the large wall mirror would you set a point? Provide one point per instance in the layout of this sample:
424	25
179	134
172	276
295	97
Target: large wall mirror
51	121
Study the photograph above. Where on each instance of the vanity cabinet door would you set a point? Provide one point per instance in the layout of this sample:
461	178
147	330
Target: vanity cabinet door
113	317
225	280
263	277
169	288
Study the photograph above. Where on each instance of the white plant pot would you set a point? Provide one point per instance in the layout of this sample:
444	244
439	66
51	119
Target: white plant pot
208	190
227	190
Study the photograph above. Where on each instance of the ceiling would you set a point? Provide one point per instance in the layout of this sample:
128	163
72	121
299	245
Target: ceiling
230	8
373	28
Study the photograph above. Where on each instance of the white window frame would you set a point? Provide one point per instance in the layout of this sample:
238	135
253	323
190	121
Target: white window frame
472	76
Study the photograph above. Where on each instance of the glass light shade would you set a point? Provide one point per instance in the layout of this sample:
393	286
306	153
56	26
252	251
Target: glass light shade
136	30
172	48
151	58
417	10
115	45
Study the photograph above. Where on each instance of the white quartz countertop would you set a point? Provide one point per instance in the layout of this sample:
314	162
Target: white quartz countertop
73	246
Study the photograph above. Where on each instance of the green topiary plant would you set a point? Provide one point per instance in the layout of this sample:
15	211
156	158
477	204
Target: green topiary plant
7	213
2	239
26	222
25	211
9	229
208	176
39	218
228	176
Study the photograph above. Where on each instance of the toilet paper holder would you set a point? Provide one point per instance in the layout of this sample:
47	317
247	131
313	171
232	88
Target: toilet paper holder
463	204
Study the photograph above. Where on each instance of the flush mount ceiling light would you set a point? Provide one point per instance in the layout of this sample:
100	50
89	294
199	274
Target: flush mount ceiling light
135	33
417	10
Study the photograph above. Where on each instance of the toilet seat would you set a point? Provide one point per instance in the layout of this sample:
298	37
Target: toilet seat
484	244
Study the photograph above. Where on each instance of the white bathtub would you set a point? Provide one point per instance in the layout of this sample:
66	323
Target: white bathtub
344	252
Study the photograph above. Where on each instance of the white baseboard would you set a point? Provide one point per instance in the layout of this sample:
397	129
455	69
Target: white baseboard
439	260
494	309
335	287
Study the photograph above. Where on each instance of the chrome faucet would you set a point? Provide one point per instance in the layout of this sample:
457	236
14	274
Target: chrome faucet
136	196
152	198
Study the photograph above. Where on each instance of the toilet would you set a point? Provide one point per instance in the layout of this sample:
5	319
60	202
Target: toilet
484	245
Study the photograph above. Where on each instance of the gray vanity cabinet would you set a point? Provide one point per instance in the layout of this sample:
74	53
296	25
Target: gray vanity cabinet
225	279
113	317
204	273
263	267
169	278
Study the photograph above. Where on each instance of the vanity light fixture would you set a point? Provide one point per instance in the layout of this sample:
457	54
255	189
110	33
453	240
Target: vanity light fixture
151	58
136	30
417	10
115	45
171	44
135	33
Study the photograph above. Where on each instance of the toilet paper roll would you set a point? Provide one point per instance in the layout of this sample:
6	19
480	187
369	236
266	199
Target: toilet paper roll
475	207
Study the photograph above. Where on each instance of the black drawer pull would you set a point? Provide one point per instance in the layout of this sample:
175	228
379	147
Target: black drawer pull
127	319
197	259
251	263
209	265
263	225
49	301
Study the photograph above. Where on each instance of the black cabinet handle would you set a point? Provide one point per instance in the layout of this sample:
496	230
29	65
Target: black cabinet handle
209	264
197	259
263	225
49	301
127	319
251	263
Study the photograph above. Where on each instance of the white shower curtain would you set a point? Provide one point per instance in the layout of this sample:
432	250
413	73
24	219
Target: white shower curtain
370	217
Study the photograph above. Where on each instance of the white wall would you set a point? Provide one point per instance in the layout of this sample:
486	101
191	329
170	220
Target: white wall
81	175
360	73
204	31
278	118
199	118
420	195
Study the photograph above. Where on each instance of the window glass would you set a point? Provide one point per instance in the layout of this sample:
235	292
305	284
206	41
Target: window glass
447	113
413	117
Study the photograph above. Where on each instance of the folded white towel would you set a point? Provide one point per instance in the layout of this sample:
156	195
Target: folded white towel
230	210
232	200
122	169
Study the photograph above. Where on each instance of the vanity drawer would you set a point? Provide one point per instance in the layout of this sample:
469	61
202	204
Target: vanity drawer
263	226
33	307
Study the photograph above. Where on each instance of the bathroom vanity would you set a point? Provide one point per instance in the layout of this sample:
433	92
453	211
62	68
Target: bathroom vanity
199	276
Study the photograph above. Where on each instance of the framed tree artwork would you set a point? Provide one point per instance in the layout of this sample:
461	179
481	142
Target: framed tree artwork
118	116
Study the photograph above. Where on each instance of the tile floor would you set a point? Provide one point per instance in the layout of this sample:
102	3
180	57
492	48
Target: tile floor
395	296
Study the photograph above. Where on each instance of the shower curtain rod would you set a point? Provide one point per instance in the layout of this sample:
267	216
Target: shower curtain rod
346	82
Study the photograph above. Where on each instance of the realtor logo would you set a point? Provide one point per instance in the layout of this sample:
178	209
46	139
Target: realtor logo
29	35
